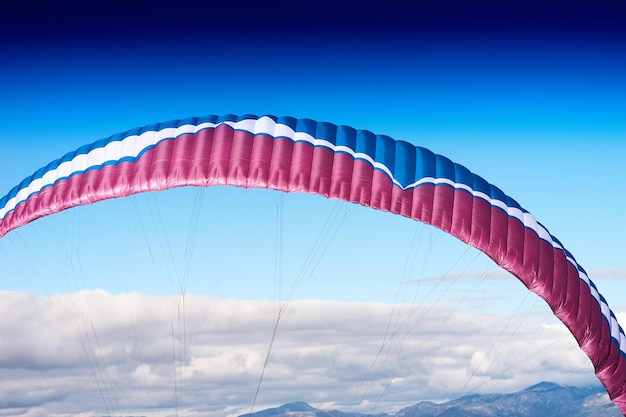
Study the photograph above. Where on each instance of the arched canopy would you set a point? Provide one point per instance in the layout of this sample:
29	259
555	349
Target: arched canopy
302	155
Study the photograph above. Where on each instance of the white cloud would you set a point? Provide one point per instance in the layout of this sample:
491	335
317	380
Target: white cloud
612	273
95	353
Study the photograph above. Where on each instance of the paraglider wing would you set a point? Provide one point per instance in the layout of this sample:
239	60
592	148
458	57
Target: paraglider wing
302	155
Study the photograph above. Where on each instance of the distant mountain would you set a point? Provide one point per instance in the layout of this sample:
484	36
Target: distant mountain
542	400
302	409
545	399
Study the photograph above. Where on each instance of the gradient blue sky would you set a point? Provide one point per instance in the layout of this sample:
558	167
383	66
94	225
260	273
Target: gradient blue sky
528	95
534	105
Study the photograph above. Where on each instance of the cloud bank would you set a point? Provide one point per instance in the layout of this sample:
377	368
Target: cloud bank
91	353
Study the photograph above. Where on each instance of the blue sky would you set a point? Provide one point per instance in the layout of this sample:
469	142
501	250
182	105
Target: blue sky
532	102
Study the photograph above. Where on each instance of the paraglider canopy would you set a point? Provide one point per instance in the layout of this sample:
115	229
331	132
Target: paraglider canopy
340	162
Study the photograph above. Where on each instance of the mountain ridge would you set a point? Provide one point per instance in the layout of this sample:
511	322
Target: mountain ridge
545	399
